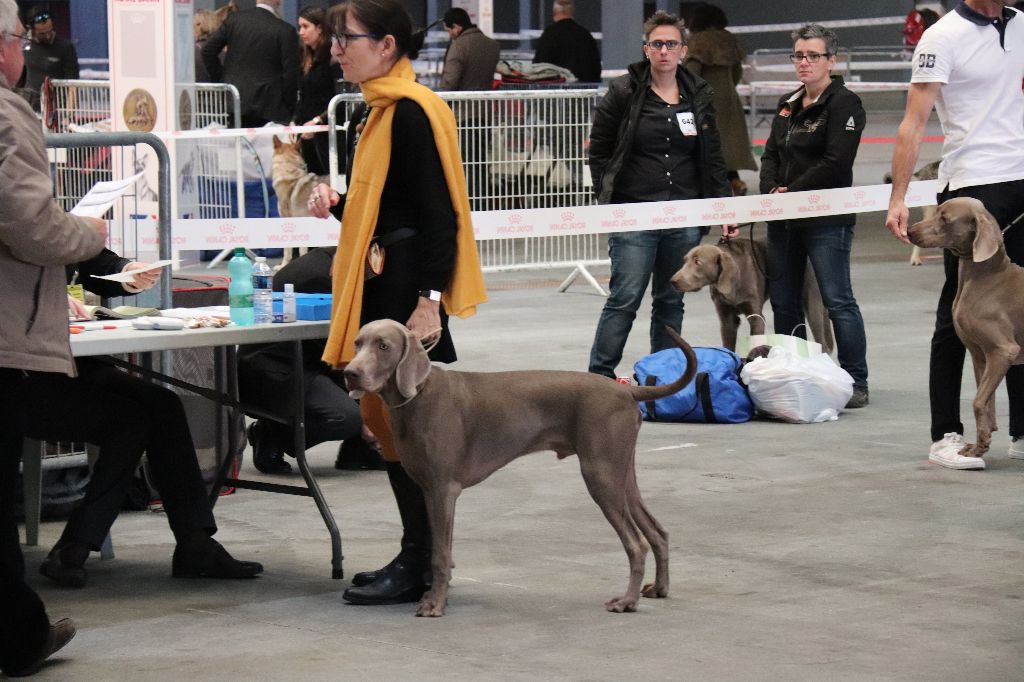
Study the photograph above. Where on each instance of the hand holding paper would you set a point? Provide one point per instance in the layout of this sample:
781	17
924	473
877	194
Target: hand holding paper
141	275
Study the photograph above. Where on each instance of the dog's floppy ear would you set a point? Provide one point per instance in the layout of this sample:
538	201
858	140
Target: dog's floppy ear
277	143
728	273
414	366
987	236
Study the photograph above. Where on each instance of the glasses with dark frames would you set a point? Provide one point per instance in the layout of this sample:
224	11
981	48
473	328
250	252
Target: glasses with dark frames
670	45
812	57
342	39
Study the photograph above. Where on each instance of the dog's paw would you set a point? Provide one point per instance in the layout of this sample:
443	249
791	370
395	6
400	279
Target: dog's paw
431	606
620	605
655	591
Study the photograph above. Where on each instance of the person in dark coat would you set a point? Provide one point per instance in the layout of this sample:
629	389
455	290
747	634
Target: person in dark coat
716	56
812	145
654	138
317	86
567	44
47	56
264	380
262	62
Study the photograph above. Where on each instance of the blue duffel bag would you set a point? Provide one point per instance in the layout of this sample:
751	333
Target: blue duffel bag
715	396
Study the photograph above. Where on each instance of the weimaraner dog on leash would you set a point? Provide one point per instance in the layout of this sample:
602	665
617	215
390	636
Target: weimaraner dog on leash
735	271
454	429
988	311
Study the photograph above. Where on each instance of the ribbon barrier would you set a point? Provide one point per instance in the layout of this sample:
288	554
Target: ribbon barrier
198	234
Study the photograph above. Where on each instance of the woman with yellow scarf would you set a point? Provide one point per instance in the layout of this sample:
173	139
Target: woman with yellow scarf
406	250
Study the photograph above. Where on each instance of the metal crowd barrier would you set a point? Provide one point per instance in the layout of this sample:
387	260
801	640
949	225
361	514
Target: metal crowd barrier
520	149
77	106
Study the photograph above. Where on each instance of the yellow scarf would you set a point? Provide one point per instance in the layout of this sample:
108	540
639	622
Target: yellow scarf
362	206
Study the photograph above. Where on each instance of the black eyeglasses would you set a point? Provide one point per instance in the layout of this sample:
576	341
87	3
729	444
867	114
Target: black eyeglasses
670	45
812	57
342	39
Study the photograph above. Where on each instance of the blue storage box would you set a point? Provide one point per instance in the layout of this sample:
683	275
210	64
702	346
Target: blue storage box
307	306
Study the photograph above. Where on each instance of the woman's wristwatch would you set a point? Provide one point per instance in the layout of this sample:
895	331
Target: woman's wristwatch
431	294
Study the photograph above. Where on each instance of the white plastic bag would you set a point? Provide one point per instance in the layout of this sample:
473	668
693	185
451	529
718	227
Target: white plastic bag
797	389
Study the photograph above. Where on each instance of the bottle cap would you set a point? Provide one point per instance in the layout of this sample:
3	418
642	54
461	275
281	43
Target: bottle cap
239	250
261	259
289	288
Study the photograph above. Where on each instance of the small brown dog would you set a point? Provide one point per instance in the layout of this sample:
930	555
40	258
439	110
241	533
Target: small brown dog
988	311
293	183
454	429
734	271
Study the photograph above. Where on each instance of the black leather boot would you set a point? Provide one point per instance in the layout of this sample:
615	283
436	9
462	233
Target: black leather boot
407	577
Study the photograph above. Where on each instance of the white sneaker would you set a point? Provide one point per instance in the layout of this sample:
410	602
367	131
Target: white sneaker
1017	448
946	452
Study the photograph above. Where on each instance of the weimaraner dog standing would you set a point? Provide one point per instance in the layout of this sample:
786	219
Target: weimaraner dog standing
454	429
988	311
734	269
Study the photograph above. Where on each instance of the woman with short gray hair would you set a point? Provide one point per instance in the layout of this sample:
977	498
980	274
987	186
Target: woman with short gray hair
812	145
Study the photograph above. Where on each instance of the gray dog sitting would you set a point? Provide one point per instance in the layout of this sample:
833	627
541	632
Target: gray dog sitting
454	429
734	269
988	311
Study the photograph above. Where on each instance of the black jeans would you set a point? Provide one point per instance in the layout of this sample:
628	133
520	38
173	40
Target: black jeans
125	416
24	624
1005	201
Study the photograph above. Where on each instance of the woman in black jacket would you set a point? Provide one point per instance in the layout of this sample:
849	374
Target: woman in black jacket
813	143
316	86
654	138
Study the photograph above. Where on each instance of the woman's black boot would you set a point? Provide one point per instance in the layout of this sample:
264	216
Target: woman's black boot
407	577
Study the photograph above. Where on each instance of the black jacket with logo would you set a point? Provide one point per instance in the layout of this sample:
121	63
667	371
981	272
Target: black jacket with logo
814	147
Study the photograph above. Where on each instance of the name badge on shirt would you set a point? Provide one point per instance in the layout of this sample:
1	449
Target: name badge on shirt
686	124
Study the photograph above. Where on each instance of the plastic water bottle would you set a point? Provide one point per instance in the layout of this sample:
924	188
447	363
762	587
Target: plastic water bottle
288	303
262	296
240	289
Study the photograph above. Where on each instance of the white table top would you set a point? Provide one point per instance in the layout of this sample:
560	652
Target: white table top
125	339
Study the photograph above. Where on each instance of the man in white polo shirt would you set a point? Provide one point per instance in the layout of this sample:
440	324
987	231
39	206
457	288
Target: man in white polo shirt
969	65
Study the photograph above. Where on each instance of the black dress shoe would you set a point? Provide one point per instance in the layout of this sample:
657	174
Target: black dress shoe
65	564
399	582
207	558
266	457
60	634
356	454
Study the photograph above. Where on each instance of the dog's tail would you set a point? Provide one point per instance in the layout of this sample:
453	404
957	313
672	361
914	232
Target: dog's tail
646	393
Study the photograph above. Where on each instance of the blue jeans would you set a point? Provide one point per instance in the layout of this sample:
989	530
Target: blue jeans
828	249
635	257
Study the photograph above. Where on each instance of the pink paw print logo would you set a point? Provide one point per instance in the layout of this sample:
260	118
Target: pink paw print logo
619	214
668	210
767	203
814	198
227	228
288	228
718	205
515	218
567	216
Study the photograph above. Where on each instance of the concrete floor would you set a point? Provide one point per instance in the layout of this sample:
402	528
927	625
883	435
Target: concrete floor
799	552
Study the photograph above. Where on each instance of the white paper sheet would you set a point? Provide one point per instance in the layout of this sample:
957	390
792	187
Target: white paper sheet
129	275
103	195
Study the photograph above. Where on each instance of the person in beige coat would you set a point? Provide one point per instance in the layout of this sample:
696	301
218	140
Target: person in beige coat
716	56
37	239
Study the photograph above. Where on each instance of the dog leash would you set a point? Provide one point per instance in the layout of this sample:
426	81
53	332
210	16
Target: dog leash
1012	223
